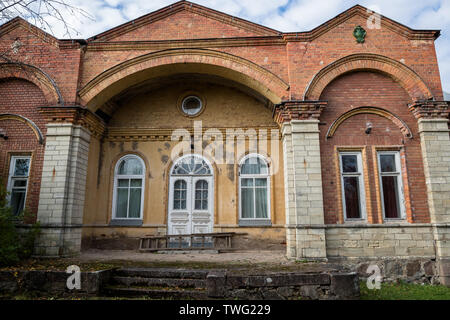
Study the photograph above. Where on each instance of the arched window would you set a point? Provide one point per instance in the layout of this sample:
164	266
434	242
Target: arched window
191	165
254	186
129	181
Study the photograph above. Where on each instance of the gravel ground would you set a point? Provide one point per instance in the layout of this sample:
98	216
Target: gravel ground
241	257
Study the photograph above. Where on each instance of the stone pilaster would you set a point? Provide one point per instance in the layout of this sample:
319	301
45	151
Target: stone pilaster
435	141
303	180
63	183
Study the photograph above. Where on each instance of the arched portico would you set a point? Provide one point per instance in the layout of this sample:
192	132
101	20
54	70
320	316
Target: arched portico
177	61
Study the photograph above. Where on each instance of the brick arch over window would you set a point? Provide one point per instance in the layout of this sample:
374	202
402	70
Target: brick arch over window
34	75
174	61
28	122
370	110
405	76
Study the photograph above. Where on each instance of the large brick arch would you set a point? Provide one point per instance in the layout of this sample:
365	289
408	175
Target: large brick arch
370	110
405	76
36	76
176	61
37	132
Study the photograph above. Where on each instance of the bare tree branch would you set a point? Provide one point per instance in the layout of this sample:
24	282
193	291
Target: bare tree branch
43	13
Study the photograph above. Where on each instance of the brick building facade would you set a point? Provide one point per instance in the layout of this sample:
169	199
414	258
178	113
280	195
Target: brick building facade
356	160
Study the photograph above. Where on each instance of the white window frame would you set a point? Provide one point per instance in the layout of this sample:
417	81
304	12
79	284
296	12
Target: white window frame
255	176
116	179
400	189
360	175
12	178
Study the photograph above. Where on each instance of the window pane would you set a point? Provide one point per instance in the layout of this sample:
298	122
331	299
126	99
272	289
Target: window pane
390	196
247	182
180	195
247	204
21	167
254	165
20	183
135	203
123	183
352	201
201	195
131	166
17	201
261	182
192	105
136	183
261	203
349	163
387	163
122	203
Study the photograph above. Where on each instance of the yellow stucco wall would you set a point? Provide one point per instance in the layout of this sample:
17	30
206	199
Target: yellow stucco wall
144	114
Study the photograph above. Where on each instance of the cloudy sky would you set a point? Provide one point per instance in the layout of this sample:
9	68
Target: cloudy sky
282	15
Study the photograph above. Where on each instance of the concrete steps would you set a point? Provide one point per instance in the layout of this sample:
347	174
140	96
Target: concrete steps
169	294
158	283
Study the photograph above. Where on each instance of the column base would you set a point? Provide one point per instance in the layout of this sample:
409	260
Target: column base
311	244
58	242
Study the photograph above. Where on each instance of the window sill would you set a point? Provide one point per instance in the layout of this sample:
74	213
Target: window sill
126	222
255	223
394	220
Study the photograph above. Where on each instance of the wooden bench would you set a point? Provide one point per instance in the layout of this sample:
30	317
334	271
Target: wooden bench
198	241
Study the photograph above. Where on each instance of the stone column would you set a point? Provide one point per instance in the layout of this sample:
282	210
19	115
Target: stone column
435	141
305	229
63	189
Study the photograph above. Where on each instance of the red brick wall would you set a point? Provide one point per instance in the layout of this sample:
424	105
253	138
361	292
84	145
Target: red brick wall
60	62
370	89
185	25
22	98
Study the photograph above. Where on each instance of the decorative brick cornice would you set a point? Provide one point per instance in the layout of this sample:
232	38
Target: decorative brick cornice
75	115
430	109
298	110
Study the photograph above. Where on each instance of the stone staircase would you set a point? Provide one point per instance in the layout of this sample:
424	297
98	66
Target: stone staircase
158	284
195	284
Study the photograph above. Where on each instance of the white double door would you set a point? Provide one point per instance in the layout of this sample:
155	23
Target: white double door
190	205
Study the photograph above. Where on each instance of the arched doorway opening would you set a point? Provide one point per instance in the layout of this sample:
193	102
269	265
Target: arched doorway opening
191	196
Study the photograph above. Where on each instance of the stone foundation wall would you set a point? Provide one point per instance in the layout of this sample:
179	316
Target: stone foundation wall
370	241
316	286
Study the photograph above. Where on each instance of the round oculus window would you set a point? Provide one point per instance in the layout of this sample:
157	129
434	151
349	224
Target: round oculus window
191	105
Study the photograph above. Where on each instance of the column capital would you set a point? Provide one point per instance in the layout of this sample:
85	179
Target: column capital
429	109
298	110
76	115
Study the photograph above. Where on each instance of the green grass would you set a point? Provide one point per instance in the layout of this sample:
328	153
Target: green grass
405	291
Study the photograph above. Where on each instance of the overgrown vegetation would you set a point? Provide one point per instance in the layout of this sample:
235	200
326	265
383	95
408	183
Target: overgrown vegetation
15	244
405	291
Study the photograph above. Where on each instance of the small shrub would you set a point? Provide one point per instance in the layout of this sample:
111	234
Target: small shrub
15	244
